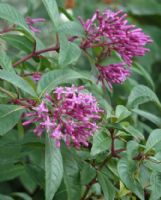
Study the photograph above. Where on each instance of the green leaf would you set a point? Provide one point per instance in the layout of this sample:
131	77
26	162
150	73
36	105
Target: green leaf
9	172
5	93
5	62
102	100
9	13
17	81
122	113
20	42
140	70
155	181
69	51
149	116
154	163
53	168
87	173
112	59
132	149
52	9
61	192
36	173
53	78
126	169
10	153
27	182
71	175
22	195
5	197
153	139
109	190
144	176
9	116
144	7
134	132
71	29
142	94
101	142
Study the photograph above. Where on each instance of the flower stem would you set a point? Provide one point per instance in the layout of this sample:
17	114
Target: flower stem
7	30
88	187
35	53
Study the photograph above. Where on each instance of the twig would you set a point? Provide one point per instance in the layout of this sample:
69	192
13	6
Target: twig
35	53
104	162
20	102
88	186
140	156
6	30
113	151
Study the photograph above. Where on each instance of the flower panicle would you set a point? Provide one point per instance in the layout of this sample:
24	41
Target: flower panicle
112	32
72	117
114	73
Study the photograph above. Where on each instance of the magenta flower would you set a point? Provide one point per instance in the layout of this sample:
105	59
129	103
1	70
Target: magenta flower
41	109
30	22
70	114
111	31
114	73
36	76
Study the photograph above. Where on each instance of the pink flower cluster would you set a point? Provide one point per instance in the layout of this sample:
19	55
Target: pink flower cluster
30	22
111	31
114	73
70	114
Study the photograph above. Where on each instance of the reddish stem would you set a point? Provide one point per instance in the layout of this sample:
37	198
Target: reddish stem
120	150
24	103
88	186
113	151
140	156
9	29
19	102
35	53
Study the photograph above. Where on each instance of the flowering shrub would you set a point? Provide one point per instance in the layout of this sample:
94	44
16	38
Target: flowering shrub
79	115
